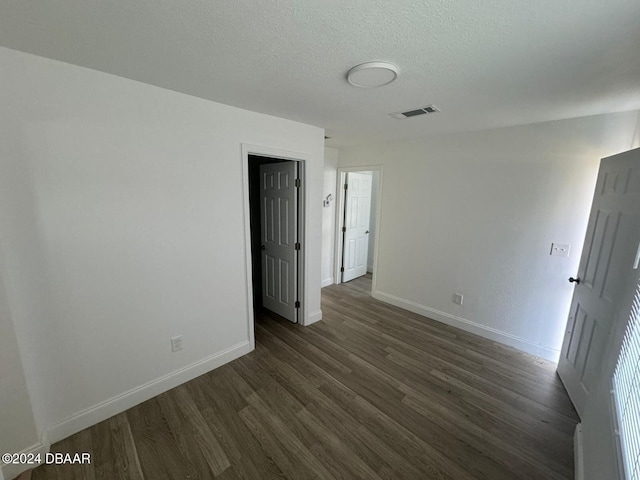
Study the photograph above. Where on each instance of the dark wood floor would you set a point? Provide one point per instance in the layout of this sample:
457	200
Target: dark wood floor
371	392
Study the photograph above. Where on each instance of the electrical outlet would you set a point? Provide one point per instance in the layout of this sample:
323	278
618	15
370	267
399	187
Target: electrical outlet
176	343
560	249
458	298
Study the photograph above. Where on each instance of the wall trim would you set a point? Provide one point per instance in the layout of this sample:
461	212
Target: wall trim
326	282
12	471
469	326
313	318
119	403
578	453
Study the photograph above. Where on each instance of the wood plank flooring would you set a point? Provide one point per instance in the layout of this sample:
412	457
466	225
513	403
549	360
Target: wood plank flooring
370	392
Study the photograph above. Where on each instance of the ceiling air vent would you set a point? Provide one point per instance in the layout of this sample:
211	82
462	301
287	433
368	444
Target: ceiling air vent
415	113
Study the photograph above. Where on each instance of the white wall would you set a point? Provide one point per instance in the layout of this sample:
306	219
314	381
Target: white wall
476	213
25	287
17	428
329	215
122	226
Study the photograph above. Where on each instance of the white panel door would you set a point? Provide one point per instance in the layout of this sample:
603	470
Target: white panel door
278	231
356	223
609	250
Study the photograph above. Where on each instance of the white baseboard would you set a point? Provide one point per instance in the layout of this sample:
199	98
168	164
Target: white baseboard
578	453
11	471
469	326
118	404
326	282
313	318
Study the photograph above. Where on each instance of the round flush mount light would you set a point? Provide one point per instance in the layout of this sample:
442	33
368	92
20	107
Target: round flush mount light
372	74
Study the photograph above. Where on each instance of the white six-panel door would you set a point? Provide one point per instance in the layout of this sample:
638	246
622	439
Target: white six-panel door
610	245
356	222
278	231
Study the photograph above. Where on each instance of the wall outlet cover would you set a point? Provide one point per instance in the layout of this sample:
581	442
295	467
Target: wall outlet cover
560	249
176	343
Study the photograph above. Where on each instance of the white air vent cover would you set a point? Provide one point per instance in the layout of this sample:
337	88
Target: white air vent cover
415	113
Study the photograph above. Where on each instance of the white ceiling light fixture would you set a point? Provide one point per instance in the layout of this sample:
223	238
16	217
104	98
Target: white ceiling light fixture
372	74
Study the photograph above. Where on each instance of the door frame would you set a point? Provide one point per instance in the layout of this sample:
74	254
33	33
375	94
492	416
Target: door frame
303	258
339	215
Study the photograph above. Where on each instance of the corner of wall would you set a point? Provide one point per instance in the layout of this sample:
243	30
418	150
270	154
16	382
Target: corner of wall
39	449
330	168
313	318
115	405
327	282
635	140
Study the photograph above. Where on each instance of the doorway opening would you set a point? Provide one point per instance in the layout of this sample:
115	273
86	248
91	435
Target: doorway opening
276	223
357	221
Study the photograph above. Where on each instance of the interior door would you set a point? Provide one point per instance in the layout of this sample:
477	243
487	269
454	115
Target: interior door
356	223
609	249
278	231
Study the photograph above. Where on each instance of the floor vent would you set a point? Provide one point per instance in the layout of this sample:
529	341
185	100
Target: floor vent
416	112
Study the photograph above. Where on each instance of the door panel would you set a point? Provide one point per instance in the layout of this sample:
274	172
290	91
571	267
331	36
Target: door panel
278	222
350	257
610	242
269	281
357	216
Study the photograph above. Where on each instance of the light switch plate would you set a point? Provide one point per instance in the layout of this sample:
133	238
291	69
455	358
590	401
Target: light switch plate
560	249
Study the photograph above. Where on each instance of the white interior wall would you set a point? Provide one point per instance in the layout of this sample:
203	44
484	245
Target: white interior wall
476	213
25	284
17	427
329	215
122	226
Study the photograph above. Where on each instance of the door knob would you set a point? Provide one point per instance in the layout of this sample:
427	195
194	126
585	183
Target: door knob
263	247
577	280
367	231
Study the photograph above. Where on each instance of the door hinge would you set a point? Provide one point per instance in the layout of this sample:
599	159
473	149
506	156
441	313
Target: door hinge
297	246
341	269
346	186
344	229
297	303
298	183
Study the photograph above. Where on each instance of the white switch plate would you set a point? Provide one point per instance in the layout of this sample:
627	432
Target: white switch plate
458	298
560	249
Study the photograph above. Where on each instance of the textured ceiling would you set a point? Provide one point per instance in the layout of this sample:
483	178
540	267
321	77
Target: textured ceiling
485	63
